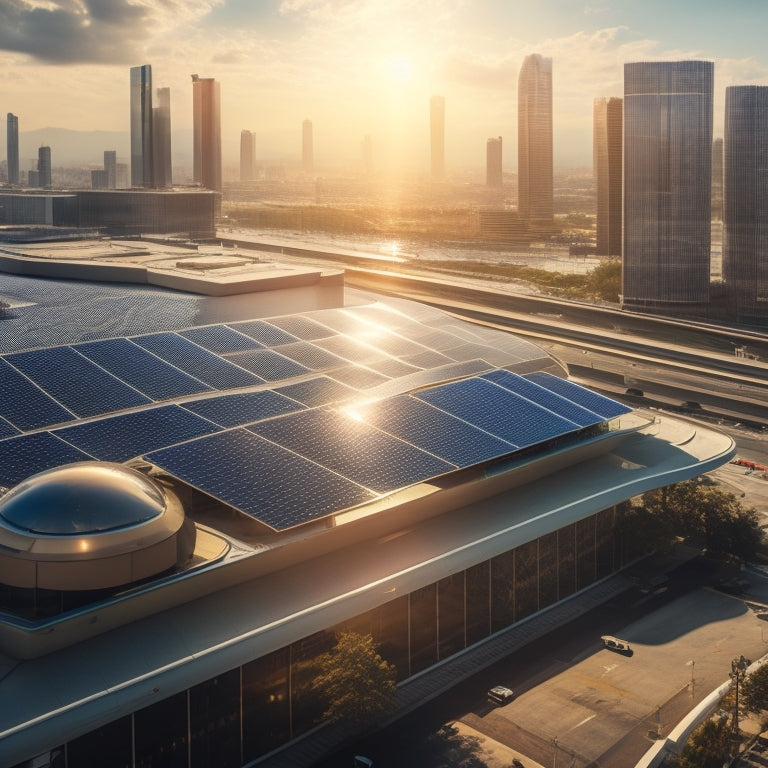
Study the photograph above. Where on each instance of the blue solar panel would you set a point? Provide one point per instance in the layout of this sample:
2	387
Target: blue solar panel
128	435
358	377
310	355
266	333
220	339
434	431
498	411
352	449
141	369
267	364
24	404
26	455
319	391
7	429
545	397
601	405
263	480
196	361
76	382
303	327
242	407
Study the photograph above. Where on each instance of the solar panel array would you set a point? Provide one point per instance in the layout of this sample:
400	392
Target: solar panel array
288	419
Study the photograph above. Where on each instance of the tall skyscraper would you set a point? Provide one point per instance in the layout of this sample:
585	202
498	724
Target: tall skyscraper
142	139
493	173
44	166
717	179
13	148
247	153
667	184
745	210
162	174
110	166
437	136
534	139
607	158
206	108
307	147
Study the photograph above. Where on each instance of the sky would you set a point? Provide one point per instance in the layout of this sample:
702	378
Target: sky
361	67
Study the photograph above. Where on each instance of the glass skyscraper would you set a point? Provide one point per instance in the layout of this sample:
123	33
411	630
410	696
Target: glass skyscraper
667	184
162	175
534	139
13	148
745	216
607	156
206	113
44	166
142	140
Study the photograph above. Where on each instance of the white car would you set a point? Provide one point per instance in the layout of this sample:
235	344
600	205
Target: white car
499	694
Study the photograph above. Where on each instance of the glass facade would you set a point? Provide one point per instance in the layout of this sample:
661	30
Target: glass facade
251	710
608	160
745	218
142	140
667	183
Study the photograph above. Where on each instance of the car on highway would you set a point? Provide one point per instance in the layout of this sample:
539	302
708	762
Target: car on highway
500	694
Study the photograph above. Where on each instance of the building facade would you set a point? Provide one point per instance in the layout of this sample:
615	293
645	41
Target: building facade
142	137
493	169
667	185
13	148
608	160
206	140
247	152
437	136
161	140
534	139
44	166
110	166
745	219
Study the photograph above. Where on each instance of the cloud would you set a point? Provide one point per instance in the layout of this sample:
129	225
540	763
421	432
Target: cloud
89	31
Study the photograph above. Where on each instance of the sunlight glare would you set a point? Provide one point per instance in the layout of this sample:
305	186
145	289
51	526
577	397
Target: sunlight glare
400	69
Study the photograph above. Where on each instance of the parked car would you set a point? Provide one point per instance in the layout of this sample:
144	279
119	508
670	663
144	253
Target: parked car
614	644
500	694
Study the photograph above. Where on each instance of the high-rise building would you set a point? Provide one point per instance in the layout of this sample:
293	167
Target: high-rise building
534	139
745	210
44	166
110	166
493	173
247	153
142	139
717	179
607	158
307	147
206	109
667	184
13	148
437	136
162	175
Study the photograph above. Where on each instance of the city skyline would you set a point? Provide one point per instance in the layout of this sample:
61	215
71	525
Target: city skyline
306	57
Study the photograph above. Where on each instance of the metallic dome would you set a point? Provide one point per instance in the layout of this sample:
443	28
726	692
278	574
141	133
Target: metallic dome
76	499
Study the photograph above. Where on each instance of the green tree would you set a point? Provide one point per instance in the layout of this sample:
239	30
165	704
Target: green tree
604	281
709	746
355	682
754	691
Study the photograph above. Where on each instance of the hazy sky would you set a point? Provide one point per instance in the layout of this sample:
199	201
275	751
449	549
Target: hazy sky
357	67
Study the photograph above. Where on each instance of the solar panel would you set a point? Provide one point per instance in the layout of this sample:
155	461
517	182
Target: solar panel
268	364
123	437
196	361
358	377
311	356
266	333
24	404
80	385
302	327
498	411
7	429
26	455
429	359
392	367
318	391
600	404
349	348
354	450
477	352
394	345
141	369
220	339
434	431
271	484
545	397
242	407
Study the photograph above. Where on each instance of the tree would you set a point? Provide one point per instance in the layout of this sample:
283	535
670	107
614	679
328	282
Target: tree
709	746
355	682
604	281
754	691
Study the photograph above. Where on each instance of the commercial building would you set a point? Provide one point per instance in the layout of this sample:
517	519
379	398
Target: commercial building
745	219
161	140
12	144
142	138
110	166
608	159
437	136
206	125
534	139
493	172
717	180
307	147
667	185
247	475
44	166
247	154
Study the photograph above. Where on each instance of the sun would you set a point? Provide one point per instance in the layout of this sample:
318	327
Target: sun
400	69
